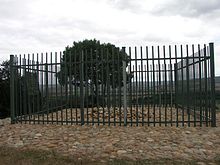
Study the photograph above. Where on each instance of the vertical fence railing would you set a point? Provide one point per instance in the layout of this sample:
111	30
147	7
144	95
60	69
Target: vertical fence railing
212	77
12	89
140	86
124	89
82	87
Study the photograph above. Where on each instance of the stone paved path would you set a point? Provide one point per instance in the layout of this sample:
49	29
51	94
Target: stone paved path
104	143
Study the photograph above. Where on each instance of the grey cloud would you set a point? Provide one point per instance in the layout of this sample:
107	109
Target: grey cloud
51	33
87	26
156	38
130	5
14	9
188	8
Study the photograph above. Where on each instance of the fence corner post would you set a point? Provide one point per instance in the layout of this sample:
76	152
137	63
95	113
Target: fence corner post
124	89
12	90
212	76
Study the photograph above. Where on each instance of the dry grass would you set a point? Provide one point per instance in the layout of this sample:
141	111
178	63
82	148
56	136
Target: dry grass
14	156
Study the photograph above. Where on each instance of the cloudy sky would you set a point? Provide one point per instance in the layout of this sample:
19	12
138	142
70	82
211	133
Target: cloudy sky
31	26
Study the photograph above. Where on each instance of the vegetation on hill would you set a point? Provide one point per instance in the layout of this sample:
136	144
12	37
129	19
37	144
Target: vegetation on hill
4	89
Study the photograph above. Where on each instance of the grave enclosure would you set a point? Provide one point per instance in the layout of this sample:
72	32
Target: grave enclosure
152	86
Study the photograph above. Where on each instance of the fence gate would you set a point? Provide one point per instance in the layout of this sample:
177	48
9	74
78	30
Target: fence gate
170	86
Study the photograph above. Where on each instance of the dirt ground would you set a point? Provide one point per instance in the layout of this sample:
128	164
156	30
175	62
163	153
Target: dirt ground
109	144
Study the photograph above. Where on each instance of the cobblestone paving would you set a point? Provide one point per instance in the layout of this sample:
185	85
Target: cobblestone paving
105	143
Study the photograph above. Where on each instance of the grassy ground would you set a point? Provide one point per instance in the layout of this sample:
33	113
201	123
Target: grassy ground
9	156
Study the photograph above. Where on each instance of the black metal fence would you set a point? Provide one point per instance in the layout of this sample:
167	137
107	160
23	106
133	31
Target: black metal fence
133	86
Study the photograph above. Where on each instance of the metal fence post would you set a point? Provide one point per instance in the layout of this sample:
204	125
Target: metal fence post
176	95
12	89
46	88
124	89
81	89
212	74
176	84
188	96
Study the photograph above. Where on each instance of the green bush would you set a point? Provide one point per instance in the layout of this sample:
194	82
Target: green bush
5	99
